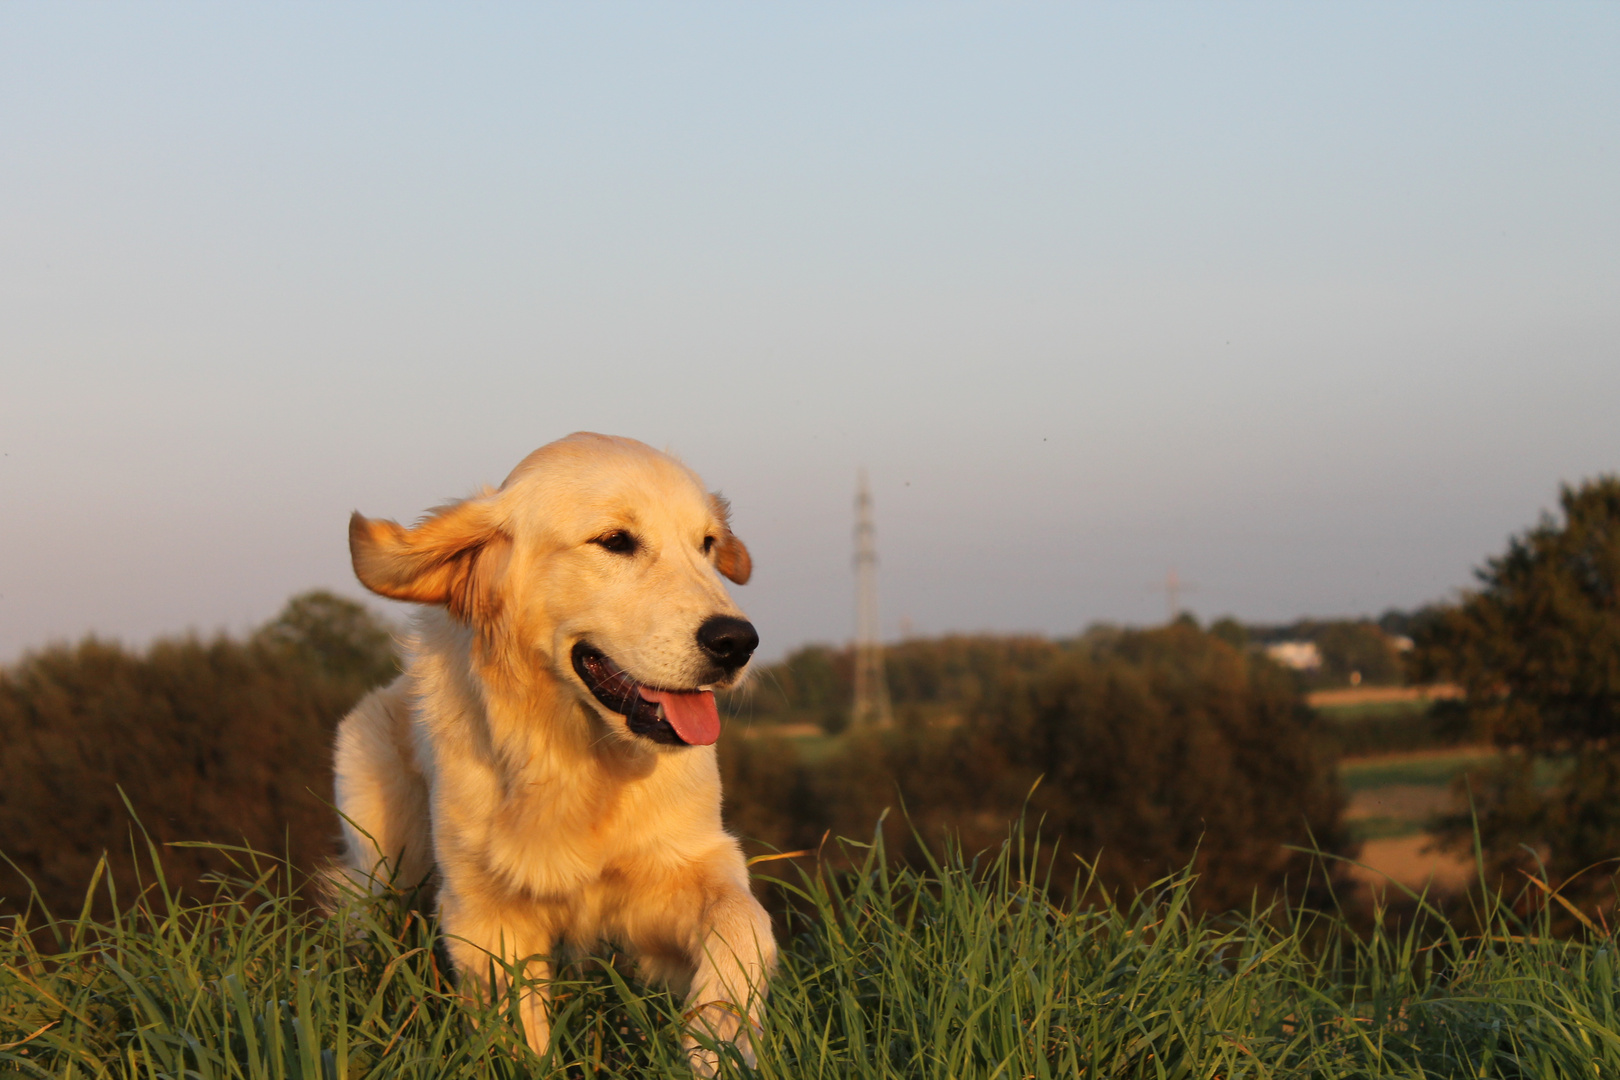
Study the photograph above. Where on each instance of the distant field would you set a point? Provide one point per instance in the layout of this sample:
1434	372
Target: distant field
1411	860
1393	800
1370	695
1395	796
1354	712
1418	767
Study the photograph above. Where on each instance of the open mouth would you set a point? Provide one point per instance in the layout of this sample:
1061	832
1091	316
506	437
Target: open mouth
673	717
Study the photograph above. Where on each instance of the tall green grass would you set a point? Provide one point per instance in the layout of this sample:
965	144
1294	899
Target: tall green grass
963	969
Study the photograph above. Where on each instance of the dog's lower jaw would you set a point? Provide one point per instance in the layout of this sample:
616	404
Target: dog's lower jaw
628	749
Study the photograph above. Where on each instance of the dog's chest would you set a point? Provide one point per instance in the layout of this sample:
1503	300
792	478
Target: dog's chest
557	836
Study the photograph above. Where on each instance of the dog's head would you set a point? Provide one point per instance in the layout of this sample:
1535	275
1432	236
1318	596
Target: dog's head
599	560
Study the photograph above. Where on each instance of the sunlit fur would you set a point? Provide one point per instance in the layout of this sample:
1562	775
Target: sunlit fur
543	822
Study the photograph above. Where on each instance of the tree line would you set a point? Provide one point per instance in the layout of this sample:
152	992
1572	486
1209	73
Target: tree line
1145	749
1139	751
1142	750
815	683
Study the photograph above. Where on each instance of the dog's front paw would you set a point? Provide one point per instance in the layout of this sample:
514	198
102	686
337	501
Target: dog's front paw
704	1061
723	1029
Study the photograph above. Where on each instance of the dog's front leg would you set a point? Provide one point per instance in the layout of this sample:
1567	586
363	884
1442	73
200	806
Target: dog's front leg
488	945
737	955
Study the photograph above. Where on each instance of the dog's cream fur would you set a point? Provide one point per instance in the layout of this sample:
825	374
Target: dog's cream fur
490	767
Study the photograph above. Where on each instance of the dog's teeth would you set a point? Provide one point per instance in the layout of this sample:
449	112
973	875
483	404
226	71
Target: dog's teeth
710	686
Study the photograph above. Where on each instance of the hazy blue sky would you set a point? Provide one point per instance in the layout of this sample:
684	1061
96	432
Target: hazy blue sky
1314	303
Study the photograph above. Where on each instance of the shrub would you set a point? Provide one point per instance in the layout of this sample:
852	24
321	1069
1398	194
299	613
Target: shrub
221	740
1150	749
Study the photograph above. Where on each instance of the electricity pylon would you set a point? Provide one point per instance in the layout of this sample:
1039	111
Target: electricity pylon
871	688
1172	588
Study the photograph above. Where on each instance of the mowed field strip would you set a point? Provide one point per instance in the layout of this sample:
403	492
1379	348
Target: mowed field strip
1393	798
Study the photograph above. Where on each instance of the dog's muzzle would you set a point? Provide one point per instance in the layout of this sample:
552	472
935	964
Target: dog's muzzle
671	717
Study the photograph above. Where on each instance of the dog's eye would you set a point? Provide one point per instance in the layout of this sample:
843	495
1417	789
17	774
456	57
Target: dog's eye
618	541
708	544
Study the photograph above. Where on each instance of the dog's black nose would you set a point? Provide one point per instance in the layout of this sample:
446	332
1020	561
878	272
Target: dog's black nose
728	641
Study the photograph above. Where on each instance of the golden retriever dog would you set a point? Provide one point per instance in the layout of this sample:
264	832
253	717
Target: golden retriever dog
547	757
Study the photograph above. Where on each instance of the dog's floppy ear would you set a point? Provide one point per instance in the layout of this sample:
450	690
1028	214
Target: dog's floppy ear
731	557
454	557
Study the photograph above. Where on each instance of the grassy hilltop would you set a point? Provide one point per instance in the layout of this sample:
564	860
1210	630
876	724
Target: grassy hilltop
965	969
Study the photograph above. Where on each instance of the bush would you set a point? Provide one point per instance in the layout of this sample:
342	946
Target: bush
1141	750
222	740
1392	727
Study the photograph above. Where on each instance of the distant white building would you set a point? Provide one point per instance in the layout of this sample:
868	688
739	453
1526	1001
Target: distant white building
1299	655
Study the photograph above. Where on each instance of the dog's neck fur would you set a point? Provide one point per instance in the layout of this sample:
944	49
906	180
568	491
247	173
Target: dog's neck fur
561	773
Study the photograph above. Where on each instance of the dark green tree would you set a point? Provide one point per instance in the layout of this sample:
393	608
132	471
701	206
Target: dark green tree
1536	650
1152	749
1230	631
224	740
1357	647
335	636
816	684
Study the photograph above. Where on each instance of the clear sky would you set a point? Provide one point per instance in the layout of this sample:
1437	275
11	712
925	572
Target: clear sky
1313	303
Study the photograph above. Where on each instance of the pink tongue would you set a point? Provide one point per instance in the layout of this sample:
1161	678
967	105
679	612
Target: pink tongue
692	715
